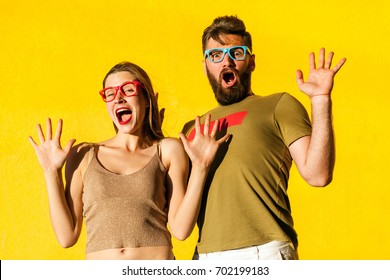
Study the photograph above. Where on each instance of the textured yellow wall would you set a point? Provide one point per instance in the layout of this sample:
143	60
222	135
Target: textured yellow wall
54	54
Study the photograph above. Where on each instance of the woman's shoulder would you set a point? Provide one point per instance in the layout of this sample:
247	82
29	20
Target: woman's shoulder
79	152
81	148
171	147
171	142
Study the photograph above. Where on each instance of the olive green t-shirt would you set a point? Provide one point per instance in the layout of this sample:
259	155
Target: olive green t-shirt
245	200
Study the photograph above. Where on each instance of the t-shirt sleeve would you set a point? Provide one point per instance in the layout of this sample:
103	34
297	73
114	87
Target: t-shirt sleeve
292	119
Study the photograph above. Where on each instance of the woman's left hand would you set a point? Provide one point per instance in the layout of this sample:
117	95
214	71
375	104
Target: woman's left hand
203	148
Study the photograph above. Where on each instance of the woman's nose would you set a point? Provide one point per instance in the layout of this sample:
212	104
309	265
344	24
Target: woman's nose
119	98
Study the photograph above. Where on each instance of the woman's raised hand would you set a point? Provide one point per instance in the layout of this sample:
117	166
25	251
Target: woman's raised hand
51	155
203	148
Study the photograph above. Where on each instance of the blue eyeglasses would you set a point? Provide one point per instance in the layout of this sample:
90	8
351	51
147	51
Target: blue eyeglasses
216	55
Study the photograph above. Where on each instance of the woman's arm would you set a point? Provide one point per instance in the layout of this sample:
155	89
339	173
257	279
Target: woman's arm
186	197
65	206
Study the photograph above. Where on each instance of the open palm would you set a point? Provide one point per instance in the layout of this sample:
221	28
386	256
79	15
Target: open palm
321	77
50	154
203	148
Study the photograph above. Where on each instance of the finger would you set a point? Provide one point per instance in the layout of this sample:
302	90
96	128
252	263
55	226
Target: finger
58	130
197	125
33	143
214	129
69	145
299	77
206	125
321	58
339	65
328	61
183	137
41	136
156	95
184	140
312	61
225	138
48	129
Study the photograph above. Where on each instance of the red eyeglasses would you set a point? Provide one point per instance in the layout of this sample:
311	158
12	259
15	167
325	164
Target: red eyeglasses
127	89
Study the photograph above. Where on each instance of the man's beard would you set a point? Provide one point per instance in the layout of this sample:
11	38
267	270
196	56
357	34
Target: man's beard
234	94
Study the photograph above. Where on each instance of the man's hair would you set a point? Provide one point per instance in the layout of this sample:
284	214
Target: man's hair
152	121
223	26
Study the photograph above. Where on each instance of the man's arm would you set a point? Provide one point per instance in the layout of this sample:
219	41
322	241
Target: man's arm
315	155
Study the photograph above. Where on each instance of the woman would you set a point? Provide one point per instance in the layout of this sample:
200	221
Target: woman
131	187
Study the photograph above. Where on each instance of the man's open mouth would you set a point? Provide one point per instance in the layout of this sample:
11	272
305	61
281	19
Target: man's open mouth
229	78
123	115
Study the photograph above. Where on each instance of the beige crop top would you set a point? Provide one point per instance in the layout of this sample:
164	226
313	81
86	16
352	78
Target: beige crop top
125	210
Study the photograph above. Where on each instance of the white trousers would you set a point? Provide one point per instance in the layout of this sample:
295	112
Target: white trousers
274	250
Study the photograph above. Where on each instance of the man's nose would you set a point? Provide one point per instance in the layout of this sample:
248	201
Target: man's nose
227	61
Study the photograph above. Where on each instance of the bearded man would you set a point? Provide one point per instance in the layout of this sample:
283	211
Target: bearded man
245	211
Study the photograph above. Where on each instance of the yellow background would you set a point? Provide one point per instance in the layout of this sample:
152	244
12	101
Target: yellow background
54	54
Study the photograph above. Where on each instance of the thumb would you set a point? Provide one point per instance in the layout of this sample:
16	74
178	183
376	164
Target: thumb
225	138
69	145
299	77
185	142
183	138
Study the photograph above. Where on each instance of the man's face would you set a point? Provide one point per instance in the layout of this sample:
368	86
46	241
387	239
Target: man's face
230	79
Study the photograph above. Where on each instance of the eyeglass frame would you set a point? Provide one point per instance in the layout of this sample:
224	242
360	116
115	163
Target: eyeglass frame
224	51
136	83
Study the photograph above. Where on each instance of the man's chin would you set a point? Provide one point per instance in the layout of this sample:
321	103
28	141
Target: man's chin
230	92
228	86
228	97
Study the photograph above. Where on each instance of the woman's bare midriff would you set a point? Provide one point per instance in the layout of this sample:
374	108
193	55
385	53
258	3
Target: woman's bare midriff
141	253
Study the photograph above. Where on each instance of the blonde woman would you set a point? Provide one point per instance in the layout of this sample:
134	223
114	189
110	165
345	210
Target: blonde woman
131	187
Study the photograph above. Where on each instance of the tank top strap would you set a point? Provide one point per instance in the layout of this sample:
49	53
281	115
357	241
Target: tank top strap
159	155
159	149
91	152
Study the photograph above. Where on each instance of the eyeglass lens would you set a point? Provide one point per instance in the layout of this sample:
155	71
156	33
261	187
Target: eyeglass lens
128	89
236	53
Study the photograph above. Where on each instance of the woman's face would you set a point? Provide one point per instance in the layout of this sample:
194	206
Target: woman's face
127	113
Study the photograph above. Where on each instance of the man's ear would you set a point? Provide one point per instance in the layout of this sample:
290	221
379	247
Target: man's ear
252	63
204	67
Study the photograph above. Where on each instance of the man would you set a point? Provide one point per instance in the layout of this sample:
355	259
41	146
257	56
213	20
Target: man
245	211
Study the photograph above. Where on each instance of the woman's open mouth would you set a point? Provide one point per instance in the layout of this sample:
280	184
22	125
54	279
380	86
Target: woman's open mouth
123	115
